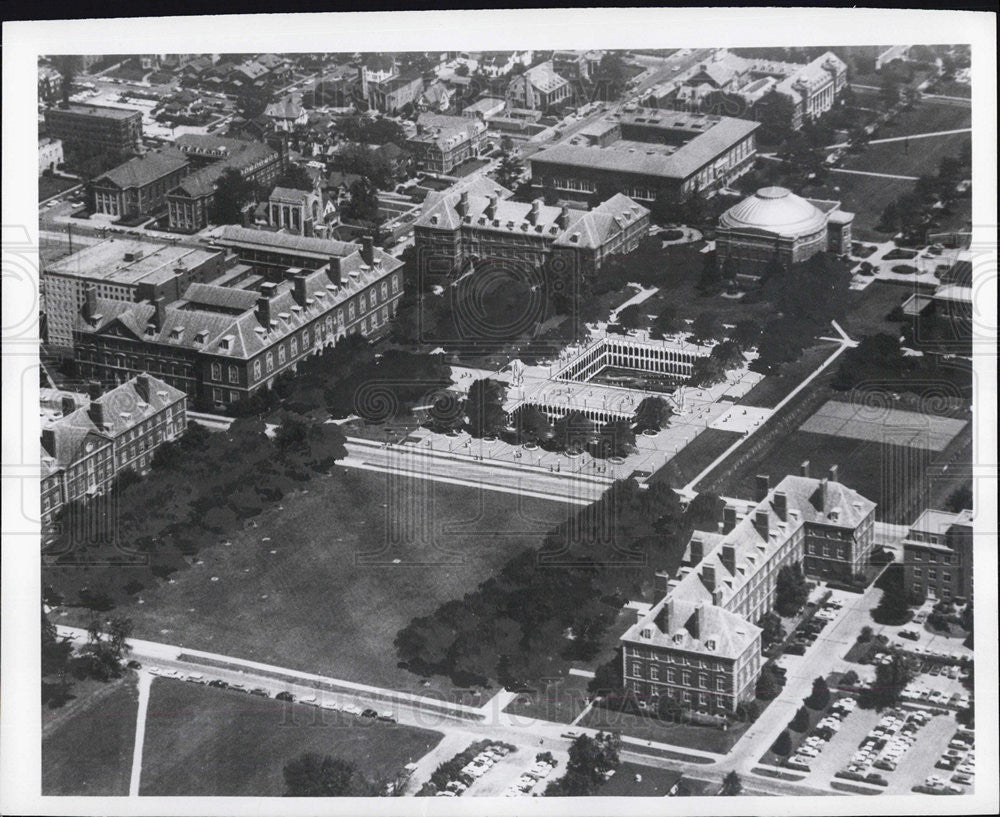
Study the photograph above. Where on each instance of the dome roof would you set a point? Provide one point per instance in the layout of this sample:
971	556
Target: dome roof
776	210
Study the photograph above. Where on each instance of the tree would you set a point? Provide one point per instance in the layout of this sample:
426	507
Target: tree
960	499
590	760
801	720
66	66
968	618
363	202
849	680
731	785
768	684
890	680
312	775
615	439
252	102
820	695
667	322
893	607
707	327
572	431
232	194
510	170
533	425
704	512
610	78
865	635
484	407
791	590
633	316
782	745
652	414
706	372
770	623
107	646
774	111
462	70
746	334
296	177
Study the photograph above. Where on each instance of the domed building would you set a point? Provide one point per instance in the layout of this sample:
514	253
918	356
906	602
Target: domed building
774	223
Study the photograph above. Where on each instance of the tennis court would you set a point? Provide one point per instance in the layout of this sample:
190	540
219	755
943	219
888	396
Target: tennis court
883	424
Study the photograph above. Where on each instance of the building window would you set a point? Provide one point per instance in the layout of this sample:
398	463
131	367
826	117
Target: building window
234	374
350	312
654	673
282	354
216	371
305	339
217	395
295	346
270	361
918	572
256	370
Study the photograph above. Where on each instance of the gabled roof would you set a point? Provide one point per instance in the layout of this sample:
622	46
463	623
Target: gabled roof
543	78
694	627
286	108
289	195
143	170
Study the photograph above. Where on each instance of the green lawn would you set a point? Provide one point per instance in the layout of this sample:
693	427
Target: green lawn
653	782
693	736
921	157
927	117
560	700
87	744
325	584
214	742
49	186
868	308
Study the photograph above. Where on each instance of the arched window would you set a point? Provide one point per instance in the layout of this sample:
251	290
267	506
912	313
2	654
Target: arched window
256	370
216	371
234	374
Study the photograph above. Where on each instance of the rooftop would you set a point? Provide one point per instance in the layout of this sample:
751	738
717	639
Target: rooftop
775	210
104	111
143	170
130	261
710	137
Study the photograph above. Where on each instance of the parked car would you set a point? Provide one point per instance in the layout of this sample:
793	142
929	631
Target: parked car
218	683
913	635
133	664
260	693
285	695
369	713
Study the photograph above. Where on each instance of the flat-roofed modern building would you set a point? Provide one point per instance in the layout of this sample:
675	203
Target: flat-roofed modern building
648	152
775	224
95	128
221	344
139	186
937	556
120	269
700	644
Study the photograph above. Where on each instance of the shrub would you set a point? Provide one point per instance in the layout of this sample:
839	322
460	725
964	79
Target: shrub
904	269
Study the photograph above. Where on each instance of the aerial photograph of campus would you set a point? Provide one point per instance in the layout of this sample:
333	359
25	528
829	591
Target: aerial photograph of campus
551	423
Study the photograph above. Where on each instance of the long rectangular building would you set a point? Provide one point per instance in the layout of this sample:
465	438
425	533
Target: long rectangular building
221	344
95	128
648	152
700	644
120	269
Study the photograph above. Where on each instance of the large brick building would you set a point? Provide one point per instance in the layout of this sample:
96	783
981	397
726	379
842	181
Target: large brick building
120	269
700	644
775	224
220	344
442	143
189	204
648	152
462	228
95	128
937	556
139	186
88	442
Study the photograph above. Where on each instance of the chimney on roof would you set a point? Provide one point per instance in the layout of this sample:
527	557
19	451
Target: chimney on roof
760	523
729	557
728	518
833	473
665	617
160	312
463	204
68	405
781	504
49	440
96	413
804	468
536	211
708	576
697	550
562	220
142	387
90	304
368	250
822	494
763	485
661	583
491	207
94	389
334	270
299	289
694	623
264	311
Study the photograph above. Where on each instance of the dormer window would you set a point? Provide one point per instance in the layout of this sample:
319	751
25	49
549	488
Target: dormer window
150	330
710	644
678	638
647	633
176	332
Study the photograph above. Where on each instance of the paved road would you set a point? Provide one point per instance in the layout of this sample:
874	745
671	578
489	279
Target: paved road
145	679
461	723
903	138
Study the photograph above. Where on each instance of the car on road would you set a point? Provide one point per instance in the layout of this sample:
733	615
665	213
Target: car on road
133	664
285	695
963	778
260	692
369	713
913	635
218	683
388	717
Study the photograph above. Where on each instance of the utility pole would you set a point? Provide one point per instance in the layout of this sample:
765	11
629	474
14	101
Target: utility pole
69	233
